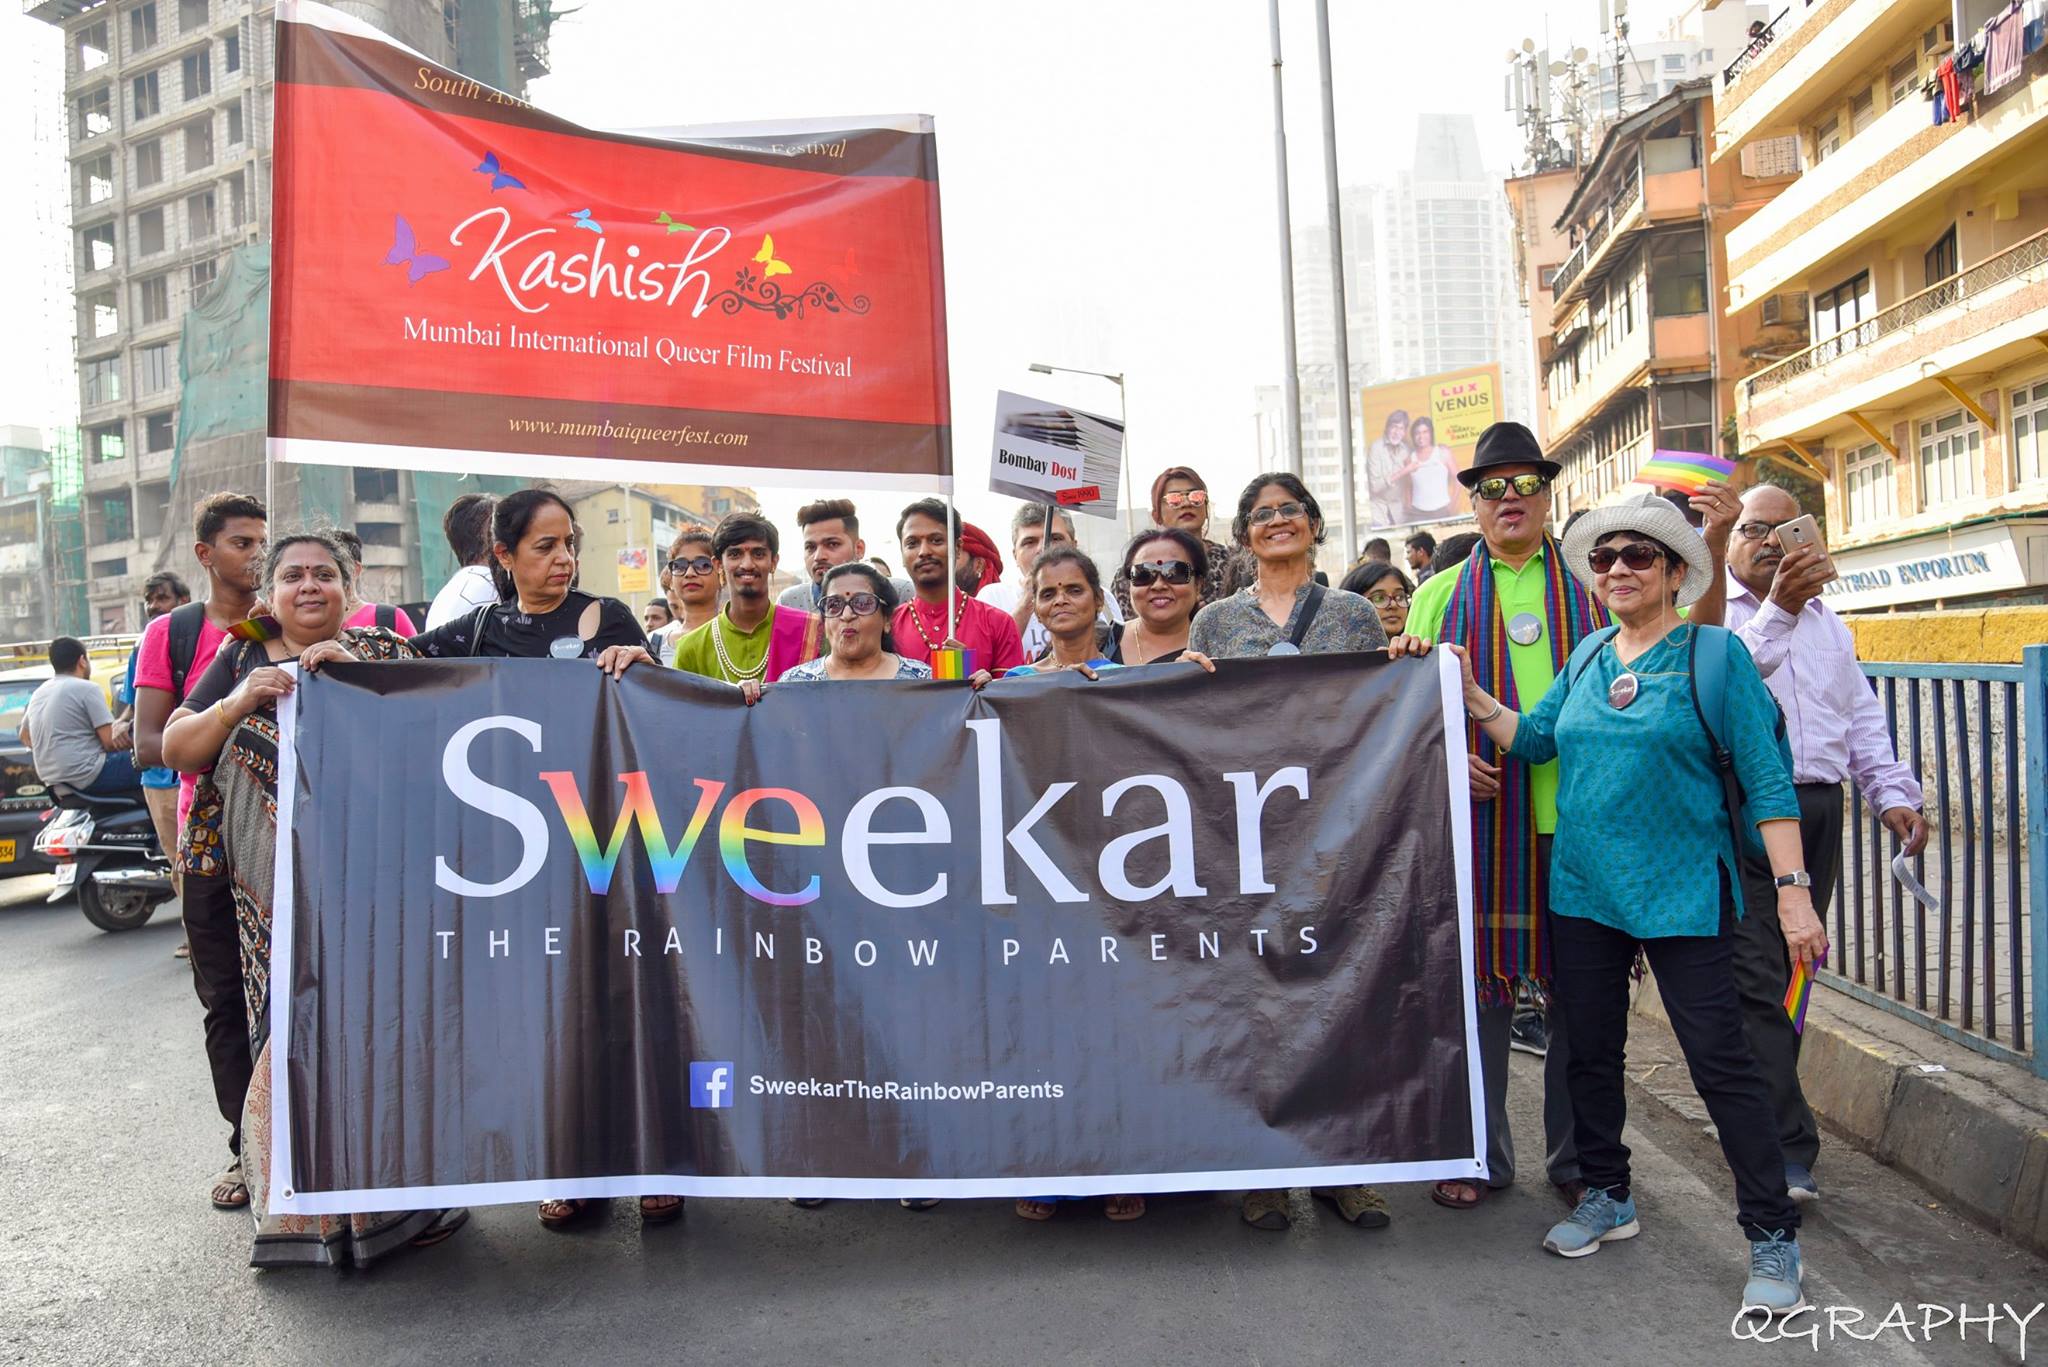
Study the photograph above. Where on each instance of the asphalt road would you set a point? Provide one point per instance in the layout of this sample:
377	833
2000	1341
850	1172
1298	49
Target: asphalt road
110	1253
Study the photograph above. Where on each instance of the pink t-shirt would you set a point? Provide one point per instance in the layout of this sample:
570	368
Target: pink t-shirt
366	616
153	670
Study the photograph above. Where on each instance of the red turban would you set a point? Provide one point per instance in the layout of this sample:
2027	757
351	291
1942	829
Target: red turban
975	542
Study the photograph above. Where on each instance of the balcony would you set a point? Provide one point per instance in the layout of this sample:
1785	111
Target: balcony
1976	320
1806	66
1644	199
1899	164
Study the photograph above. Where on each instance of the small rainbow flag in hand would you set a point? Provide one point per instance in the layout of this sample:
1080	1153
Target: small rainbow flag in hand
1797	992
952	662
1686	471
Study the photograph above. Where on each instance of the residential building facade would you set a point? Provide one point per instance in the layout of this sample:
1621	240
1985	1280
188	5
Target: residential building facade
1918	237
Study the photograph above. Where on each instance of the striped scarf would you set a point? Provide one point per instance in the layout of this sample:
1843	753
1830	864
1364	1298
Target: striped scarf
1506	888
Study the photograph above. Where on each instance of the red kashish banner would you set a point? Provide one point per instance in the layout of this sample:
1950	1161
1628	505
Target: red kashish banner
461	282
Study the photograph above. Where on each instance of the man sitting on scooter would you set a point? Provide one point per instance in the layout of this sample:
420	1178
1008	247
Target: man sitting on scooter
71	731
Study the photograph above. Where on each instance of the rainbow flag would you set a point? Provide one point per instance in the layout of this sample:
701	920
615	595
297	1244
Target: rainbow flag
956	662
1687	471
1798	991
256	629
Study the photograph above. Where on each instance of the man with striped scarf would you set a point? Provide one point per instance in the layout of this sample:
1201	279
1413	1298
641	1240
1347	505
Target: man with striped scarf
1518	612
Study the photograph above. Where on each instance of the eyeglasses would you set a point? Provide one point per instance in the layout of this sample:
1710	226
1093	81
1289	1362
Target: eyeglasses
1190	498
700	564
1261	516
1176	573
1495	489
1388	599
851	605
1635	555
1756	531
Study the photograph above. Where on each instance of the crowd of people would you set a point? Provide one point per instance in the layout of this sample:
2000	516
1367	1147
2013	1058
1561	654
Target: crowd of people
1637	642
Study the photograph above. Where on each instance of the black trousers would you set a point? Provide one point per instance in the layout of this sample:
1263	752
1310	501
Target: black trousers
1590	968
216	942
1763	968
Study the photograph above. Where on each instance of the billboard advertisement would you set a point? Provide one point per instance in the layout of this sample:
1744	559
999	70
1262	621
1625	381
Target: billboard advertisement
1418	434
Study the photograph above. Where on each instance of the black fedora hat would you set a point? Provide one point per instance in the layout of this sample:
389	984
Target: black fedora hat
1507	443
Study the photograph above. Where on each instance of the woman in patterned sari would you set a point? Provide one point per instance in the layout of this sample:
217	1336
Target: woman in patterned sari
228	725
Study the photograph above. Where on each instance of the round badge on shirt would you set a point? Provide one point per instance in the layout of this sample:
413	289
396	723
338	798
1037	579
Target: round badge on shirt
1622	691
566	647
1525	628
1283	648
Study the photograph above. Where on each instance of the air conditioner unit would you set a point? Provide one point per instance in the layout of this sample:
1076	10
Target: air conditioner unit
1939	38
1786	309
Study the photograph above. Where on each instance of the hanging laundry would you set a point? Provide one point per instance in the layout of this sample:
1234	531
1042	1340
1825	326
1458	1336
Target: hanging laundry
1952	87
1940	108
2005	51
2035	14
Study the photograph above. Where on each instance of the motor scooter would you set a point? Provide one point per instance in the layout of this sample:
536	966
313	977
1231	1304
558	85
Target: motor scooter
106	849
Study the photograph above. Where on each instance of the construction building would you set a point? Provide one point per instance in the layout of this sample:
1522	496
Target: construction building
1623	264
1916	237
169	103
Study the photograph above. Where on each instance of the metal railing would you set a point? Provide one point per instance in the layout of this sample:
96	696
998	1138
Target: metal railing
1573	266
1749	54
1994	270
1971	967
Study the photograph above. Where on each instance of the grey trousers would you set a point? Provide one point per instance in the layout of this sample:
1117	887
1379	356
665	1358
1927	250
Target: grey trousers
1561	1157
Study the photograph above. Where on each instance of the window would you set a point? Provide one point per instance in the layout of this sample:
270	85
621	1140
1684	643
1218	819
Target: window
149	232
1903	81
1678	275
147	101
1949	450
1940	260
202	278
95	113
142	27
231	53
200	223
153	299
2030	433
1843	307
191	15
197	70
199	144
89	46
1861	111
1827	140
238	202
234	125
376	486
106	443
96	247
1674	61
1685	417
1869	490
102	313
97	175
149	163
160	431
101	379
156	370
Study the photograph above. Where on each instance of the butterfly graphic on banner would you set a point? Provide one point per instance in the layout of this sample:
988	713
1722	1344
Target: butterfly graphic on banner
499	179
405	251
584	220
759	291
663	220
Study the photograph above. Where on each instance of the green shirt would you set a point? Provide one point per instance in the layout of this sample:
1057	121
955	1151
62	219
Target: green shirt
1518	591
696	653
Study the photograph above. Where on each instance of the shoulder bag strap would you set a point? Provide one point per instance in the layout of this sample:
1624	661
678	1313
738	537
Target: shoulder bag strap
1309	609
187	621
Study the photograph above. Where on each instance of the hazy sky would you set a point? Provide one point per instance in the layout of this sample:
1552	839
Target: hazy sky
1106	172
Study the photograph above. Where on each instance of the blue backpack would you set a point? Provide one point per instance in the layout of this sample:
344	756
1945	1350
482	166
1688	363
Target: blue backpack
1708	674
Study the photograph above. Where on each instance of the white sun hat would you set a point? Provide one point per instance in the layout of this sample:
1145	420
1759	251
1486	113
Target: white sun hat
1655	517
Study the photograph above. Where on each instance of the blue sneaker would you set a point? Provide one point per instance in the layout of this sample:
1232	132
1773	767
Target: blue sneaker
1598	1219
1799	1184
1775	1272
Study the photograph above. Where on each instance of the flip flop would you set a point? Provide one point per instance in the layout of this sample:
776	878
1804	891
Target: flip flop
443	1228
1459	1195
1134	1208
1036	1210
660	1215
236	1190
567	1212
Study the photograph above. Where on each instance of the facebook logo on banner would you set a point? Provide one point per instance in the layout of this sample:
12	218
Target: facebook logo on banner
710	1086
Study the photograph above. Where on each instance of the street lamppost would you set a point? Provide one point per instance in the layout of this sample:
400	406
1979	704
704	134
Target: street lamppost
1122	417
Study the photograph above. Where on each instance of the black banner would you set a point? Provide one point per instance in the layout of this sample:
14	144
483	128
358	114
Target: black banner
551	935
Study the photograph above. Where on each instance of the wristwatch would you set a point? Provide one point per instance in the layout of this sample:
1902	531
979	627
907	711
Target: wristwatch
1800	879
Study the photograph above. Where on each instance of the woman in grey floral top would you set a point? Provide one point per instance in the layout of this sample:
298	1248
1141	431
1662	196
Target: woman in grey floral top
1281	524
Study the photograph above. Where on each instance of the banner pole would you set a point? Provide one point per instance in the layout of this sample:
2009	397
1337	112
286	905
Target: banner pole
952	576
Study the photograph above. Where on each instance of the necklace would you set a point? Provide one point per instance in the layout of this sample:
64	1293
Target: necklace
732	672
918	619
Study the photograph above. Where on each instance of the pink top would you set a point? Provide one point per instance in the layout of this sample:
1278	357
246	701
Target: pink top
153	670
366	616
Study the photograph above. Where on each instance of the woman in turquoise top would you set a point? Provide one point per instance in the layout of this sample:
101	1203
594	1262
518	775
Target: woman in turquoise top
1644	858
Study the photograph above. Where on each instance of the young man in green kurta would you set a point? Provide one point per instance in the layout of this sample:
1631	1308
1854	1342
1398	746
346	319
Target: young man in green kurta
1530	590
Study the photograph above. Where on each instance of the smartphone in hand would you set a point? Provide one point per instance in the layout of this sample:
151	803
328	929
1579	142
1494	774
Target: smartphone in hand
1805	532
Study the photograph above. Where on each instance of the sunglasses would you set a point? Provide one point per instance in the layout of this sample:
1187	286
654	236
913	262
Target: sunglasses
1191	498
1261	516
700	564
1757	531
851	605
1495	489
1176	573
1635	555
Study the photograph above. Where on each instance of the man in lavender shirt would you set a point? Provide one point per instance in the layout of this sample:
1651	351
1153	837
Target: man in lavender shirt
1838	733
